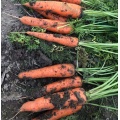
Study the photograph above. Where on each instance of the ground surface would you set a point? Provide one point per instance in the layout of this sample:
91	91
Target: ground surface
14	59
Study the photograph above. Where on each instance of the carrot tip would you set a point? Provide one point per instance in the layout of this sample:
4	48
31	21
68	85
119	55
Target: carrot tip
18	4
11	15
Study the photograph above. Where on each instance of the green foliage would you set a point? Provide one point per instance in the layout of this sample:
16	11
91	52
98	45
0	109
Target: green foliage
100	4
38	29
24	1
64	55
53	51
30	42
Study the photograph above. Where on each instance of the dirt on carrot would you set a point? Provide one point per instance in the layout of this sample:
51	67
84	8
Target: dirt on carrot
59	70
59	102
62	85
48	14
64	9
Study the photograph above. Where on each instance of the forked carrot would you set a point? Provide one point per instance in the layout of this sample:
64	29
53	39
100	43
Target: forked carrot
59	70
62	84
56	114
52	16
74	96
61	8
57	38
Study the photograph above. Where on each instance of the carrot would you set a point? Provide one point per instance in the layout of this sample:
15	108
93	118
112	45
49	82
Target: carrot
51	15
71	1
59	70
62	84
58	113
51	25
57	38
57	100
61	8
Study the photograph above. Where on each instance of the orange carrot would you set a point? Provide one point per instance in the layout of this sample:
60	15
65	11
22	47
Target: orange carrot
61	8
51	25
59	70
57	100
62	84
51	15
57	38
70	1
58	113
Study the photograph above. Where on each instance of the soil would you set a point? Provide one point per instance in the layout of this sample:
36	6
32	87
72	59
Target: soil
14	59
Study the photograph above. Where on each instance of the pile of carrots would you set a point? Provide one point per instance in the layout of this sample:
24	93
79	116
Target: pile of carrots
64	97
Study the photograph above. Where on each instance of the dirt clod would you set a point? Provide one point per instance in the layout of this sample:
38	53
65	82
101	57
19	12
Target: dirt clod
59	102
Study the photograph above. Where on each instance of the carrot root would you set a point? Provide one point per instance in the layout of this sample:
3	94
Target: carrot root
61	85
59	70
51	25
57	100
58	113
60	39
62	8
51	15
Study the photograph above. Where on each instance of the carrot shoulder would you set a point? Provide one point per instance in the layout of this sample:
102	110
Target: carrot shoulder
58	113
57	38
61	8
59	70
50	25
62	84
57	100
51	15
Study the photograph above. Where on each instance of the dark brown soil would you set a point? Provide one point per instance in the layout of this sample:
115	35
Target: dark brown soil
59	102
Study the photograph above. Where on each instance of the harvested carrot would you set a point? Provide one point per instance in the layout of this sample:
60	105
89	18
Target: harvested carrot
57	38
51	25
60	8
57	100
59	70
71	1
51	15
62	84
58	113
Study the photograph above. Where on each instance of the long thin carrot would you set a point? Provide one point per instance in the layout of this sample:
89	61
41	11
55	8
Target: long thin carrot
62	84
70	1
51	15
57	38
51	25
58	113
61	8
59	70
56	100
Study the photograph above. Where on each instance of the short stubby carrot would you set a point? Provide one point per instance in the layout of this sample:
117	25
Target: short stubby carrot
61	8
67	83
57	38
57	100
57	114
50	25
70	1
52	16
59	70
